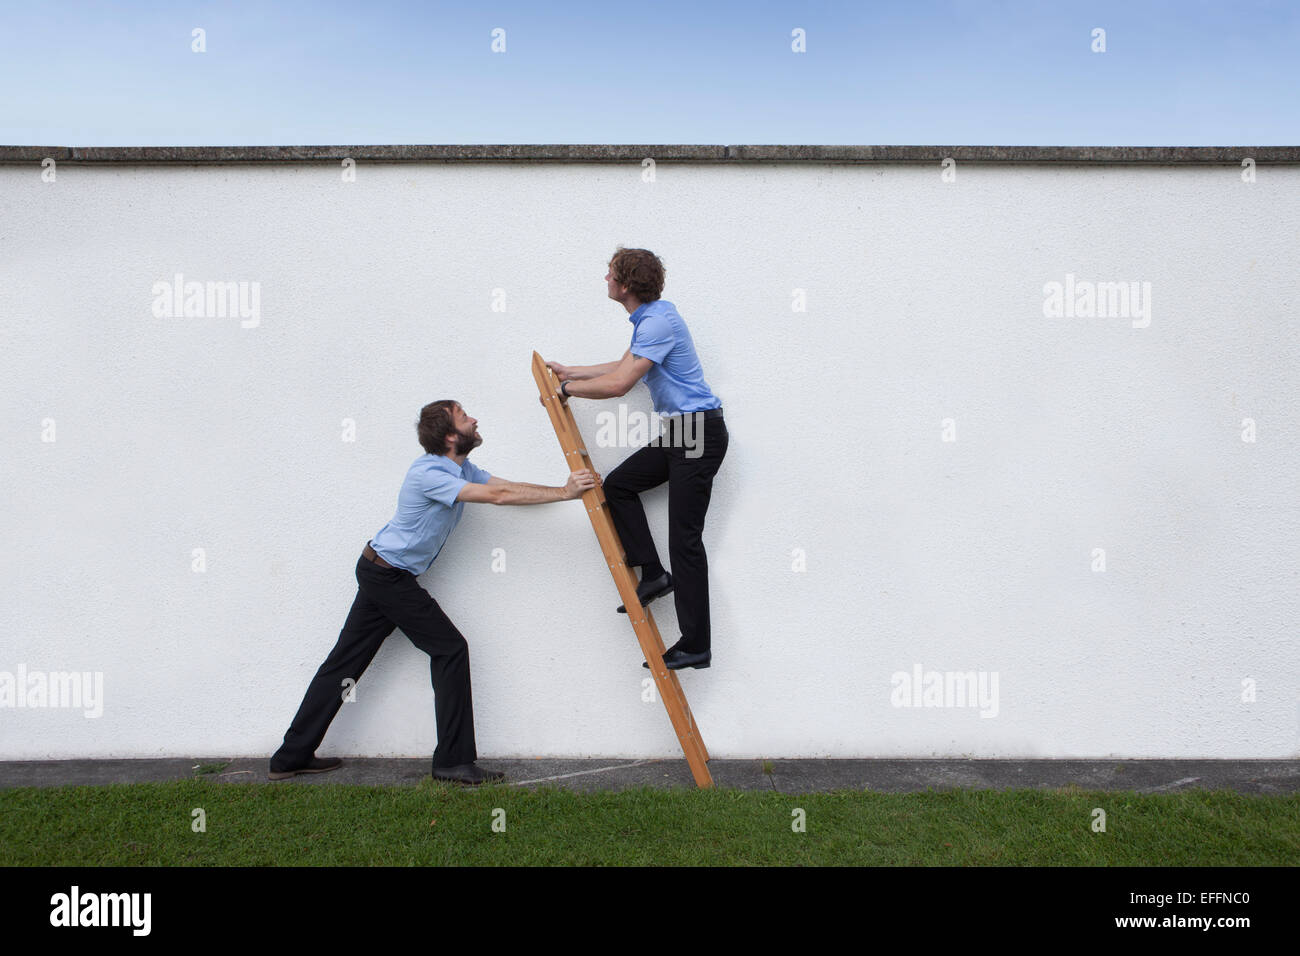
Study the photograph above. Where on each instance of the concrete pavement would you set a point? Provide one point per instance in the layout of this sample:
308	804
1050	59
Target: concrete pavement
884	775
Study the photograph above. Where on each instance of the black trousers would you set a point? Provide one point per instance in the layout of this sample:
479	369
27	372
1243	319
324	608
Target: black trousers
389	598
690	485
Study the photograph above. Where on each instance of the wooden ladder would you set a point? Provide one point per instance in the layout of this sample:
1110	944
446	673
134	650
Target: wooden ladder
643	622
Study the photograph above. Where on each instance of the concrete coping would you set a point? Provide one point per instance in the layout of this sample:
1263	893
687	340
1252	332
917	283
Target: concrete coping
561	153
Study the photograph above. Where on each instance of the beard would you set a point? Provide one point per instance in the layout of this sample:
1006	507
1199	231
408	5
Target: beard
467	443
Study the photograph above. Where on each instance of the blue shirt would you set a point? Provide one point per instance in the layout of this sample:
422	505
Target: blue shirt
676	380
427	511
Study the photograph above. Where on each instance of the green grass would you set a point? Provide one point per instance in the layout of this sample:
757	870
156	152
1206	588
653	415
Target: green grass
436	824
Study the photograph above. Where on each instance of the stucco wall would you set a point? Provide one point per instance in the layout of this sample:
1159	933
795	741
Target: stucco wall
941	458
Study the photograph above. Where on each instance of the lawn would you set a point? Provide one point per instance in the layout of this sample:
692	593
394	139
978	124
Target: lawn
435	824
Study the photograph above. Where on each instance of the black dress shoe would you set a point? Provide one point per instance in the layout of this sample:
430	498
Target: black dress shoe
676	659
647	591
470	774
315	765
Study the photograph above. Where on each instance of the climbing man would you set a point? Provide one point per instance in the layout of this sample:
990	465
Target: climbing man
687	454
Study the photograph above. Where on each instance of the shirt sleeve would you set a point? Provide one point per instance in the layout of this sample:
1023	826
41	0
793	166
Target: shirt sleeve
442	487
478	475
653	338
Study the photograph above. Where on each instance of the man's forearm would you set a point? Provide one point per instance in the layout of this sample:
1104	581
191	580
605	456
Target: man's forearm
522	493
580	373
602	386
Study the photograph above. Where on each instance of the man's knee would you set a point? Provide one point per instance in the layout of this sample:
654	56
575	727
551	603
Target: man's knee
614	487
453	649
686	542
434	634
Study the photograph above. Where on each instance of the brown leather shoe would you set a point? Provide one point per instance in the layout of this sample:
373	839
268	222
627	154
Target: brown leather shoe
470	774
315	765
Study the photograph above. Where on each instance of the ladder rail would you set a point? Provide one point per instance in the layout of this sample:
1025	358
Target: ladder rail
643	622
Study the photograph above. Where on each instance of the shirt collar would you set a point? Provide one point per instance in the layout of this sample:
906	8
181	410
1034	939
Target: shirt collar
637	313
443	463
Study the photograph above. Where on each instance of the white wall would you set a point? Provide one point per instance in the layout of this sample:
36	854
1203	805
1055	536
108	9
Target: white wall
924	303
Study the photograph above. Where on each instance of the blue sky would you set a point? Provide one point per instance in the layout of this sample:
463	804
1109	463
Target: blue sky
949	72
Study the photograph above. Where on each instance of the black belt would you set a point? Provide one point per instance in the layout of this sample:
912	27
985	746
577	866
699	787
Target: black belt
706	412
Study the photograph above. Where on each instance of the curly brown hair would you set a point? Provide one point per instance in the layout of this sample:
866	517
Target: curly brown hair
640	270
435	424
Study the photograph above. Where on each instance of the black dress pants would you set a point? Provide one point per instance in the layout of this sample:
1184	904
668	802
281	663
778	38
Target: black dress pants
690	485
389	598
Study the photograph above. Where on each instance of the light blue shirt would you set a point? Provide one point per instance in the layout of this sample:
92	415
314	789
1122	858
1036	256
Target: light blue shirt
676	380
427	511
